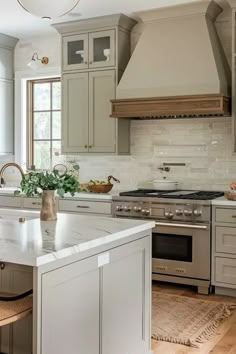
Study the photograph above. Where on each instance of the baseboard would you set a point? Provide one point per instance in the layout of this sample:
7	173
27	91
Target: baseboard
225	291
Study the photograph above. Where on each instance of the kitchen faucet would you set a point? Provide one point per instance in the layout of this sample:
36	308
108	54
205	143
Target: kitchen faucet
4	167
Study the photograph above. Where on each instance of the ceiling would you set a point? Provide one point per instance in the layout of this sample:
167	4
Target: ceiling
16	22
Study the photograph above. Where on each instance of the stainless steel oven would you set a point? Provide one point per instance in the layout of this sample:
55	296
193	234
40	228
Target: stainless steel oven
181	239
181	250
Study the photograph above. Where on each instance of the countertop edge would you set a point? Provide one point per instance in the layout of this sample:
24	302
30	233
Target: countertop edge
79	248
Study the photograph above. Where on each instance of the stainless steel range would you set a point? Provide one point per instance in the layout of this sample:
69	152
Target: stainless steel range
181	240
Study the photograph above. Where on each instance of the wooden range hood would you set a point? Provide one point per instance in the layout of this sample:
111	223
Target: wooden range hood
172	107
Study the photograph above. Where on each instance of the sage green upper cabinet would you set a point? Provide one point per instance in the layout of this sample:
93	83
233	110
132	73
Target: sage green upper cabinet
95	53
7	45
75	52
75	113
87	51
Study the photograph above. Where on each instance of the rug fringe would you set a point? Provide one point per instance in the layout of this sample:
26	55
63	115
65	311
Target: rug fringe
210	331
208	334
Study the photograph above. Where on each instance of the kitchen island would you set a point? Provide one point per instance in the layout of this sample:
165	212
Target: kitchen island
91	281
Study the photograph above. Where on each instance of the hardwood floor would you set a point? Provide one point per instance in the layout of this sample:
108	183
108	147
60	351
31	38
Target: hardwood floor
223	343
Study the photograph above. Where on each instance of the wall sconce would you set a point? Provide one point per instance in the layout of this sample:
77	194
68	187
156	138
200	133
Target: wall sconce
33	64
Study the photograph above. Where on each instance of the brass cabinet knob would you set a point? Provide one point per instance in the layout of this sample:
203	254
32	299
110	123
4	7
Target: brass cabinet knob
85	146
2	266
90	146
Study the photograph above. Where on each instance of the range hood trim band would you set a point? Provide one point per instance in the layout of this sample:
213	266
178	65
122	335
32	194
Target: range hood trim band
172	107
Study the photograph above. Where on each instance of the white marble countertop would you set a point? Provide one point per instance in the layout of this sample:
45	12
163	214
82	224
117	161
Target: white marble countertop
35	243
223	202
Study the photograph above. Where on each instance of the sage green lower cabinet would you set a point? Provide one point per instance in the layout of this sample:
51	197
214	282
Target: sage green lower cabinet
224	250
98	305
16	338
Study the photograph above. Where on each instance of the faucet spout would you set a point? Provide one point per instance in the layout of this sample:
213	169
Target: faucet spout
4	167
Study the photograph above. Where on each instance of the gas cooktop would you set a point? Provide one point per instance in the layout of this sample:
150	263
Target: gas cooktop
180	194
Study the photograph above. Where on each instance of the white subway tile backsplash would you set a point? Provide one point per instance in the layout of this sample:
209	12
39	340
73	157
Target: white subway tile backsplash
204	145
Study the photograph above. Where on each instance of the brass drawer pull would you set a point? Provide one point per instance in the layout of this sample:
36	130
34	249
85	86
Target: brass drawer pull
83	207
36	203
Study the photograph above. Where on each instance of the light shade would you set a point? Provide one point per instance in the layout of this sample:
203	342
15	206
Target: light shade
48	8
34	63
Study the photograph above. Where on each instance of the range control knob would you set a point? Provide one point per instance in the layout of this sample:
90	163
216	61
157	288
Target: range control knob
127	208
188	212
197	212
137	209
179	212
119	208
146	212
169	215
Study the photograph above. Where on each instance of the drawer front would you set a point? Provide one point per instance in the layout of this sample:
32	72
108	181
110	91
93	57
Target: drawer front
10	202
225	270
81	206
32	203
226	239
226	215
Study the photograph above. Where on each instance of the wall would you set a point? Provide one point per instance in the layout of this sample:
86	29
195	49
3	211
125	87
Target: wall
48	45
204	145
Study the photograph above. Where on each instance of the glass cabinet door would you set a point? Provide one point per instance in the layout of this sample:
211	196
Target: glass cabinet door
75	52
102	49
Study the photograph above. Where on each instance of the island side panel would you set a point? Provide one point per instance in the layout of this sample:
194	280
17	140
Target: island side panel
126	299
47	281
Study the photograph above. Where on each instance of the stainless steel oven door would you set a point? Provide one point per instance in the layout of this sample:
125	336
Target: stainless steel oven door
181	250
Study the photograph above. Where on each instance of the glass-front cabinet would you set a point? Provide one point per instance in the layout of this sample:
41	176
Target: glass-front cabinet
90	50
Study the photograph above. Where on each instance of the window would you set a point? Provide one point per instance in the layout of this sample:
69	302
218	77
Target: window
44	118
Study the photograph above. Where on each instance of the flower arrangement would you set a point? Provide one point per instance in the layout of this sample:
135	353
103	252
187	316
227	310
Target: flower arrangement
33	183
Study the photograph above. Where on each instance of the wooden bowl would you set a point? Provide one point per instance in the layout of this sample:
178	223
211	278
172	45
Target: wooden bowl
100	188
230	195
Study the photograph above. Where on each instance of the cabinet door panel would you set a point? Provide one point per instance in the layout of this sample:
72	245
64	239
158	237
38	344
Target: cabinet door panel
126	304
102	49
17	339
225	270
70	295
102	128
6	117
6	67
75	113
75	52
225	239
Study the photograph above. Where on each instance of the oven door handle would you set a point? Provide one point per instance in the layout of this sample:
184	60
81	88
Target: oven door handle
185	226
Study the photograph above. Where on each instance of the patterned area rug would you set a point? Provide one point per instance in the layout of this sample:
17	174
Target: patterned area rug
184	320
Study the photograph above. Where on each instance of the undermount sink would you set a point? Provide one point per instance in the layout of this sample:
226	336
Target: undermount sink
9	190
15	214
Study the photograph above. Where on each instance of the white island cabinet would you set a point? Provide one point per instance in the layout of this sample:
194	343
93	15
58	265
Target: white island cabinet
91	283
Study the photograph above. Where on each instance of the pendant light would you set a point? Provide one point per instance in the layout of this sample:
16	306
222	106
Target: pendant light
48	9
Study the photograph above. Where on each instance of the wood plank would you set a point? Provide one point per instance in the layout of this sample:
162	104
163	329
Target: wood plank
171	107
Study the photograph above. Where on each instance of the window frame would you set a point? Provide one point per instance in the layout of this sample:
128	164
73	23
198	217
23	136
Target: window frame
30	119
